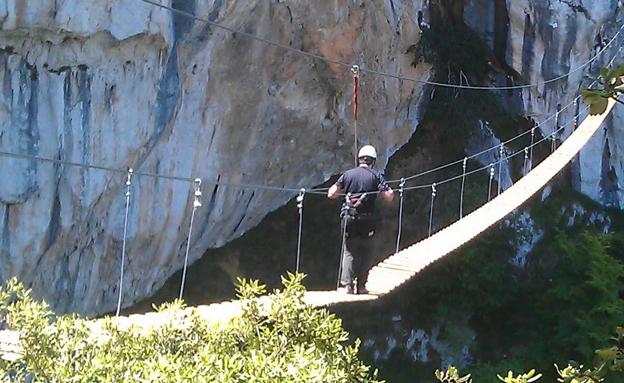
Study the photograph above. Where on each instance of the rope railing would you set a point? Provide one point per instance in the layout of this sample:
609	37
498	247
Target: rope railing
489	149
318	191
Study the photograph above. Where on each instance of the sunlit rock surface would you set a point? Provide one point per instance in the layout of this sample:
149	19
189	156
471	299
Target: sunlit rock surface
539	40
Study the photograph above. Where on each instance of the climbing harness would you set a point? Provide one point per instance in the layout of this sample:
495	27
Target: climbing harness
356	85
300	209
123	244
196	204
401	190
461	194
433	194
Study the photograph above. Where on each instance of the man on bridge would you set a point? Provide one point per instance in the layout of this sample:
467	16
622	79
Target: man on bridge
361	186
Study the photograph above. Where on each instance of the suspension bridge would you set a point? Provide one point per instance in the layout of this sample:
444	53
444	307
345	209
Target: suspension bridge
400	267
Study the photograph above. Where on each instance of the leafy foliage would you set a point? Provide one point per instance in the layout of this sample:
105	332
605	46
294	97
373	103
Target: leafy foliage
529	377
451	375
611	81
583	301
277	340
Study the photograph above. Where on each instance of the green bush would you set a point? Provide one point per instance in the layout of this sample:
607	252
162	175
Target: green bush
582	301
287	341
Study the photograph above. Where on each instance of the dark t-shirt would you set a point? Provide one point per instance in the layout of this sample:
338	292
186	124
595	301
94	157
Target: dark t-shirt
360	180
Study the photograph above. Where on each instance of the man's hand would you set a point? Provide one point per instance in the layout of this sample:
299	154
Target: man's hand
387	195
333	192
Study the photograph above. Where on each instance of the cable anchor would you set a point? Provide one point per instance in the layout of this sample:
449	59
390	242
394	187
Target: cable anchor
197	202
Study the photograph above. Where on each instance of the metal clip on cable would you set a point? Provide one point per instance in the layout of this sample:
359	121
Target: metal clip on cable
198	193
300	209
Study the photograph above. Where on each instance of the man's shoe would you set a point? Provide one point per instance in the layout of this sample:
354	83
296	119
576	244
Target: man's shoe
345	290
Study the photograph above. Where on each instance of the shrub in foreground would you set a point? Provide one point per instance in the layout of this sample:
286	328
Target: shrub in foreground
284	341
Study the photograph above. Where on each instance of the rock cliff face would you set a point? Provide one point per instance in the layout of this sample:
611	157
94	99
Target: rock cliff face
541	40
125	84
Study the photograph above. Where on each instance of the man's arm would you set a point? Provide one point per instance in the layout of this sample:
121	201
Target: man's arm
333	191
387	194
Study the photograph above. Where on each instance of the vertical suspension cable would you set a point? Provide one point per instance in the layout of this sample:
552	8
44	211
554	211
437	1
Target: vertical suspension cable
461	194
401	186
343	224
356	85
525	165
491	179
553	138
501	153
576	113
433	195
123	244
300	209
196	204
531	148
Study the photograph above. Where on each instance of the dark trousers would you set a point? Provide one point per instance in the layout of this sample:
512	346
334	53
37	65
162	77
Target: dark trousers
356	252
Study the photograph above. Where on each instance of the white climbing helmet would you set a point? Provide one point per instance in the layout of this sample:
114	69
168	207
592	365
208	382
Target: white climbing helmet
368	151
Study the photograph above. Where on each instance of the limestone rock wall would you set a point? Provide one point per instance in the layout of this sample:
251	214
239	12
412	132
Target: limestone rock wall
124	84
538	40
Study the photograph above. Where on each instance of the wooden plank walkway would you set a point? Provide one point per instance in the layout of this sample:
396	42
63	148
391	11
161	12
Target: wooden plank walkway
399	268
396	269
